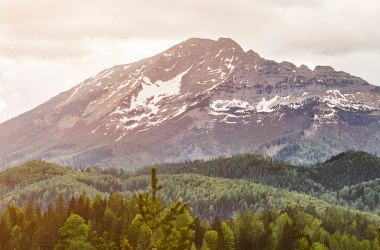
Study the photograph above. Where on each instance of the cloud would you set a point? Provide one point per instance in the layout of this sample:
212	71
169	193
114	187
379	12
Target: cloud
4	112
331	29
62	28
49	46
3	106
28	82
44	49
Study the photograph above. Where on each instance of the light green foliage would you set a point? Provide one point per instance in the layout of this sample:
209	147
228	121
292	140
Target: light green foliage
318	246
16	238
228	237
248	230
74	235
315	232
138	233
125	244
277	230
168	228
302	244
211	240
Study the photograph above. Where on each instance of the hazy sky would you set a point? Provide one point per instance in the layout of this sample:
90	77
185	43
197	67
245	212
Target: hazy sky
48	46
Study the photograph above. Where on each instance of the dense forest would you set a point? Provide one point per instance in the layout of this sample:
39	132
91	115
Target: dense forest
241	202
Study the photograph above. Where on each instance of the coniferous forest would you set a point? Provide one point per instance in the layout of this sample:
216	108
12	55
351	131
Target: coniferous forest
240	202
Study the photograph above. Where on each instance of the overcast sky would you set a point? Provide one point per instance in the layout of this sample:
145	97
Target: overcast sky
48	46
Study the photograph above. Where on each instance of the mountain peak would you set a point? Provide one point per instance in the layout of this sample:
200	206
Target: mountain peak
228	43
253	54
221	43
323	69
195	41
226	40
206	97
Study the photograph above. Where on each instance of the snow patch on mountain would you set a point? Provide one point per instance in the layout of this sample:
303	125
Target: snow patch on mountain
266	106
144	107
327	116
226	105
335	99
152	93
180	111
229	64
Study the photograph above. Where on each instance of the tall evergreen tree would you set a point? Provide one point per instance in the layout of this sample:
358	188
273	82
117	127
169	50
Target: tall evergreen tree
74	235
160	220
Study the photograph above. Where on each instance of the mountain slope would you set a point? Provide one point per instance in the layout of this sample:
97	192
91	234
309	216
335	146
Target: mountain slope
42	182
199	99
345	169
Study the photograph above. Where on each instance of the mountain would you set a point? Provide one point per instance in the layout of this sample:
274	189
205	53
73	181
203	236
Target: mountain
199	99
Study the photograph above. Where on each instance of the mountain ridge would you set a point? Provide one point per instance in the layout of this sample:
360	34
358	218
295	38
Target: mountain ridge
203	96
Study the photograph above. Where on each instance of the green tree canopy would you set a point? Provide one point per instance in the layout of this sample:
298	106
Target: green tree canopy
74	235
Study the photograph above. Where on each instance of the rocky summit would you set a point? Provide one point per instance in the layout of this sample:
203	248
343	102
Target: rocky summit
199	99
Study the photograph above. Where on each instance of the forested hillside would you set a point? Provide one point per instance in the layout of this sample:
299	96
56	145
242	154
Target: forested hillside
243	202
269	219
345	169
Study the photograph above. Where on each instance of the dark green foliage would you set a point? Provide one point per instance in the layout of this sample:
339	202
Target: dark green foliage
246	199
110	227
46	181
345	169
255	168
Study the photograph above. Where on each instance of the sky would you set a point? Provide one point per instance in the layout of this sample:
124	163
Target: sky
49	46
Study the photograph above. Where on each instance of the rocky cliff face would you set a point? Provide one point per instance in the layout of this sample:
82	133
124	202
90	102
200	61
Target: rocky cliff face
199	99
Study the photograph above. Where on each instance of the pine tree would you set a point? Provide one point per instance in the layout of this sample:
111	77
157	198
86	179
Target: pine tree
199	234
210	240
5	233
302	244
60	211
72	206
217	226
74	234
228	237
318	246
29	225
28	210
161	221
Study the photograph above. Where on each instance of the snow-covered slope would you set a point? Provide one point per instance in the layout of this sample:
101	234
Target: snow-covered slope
198	99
